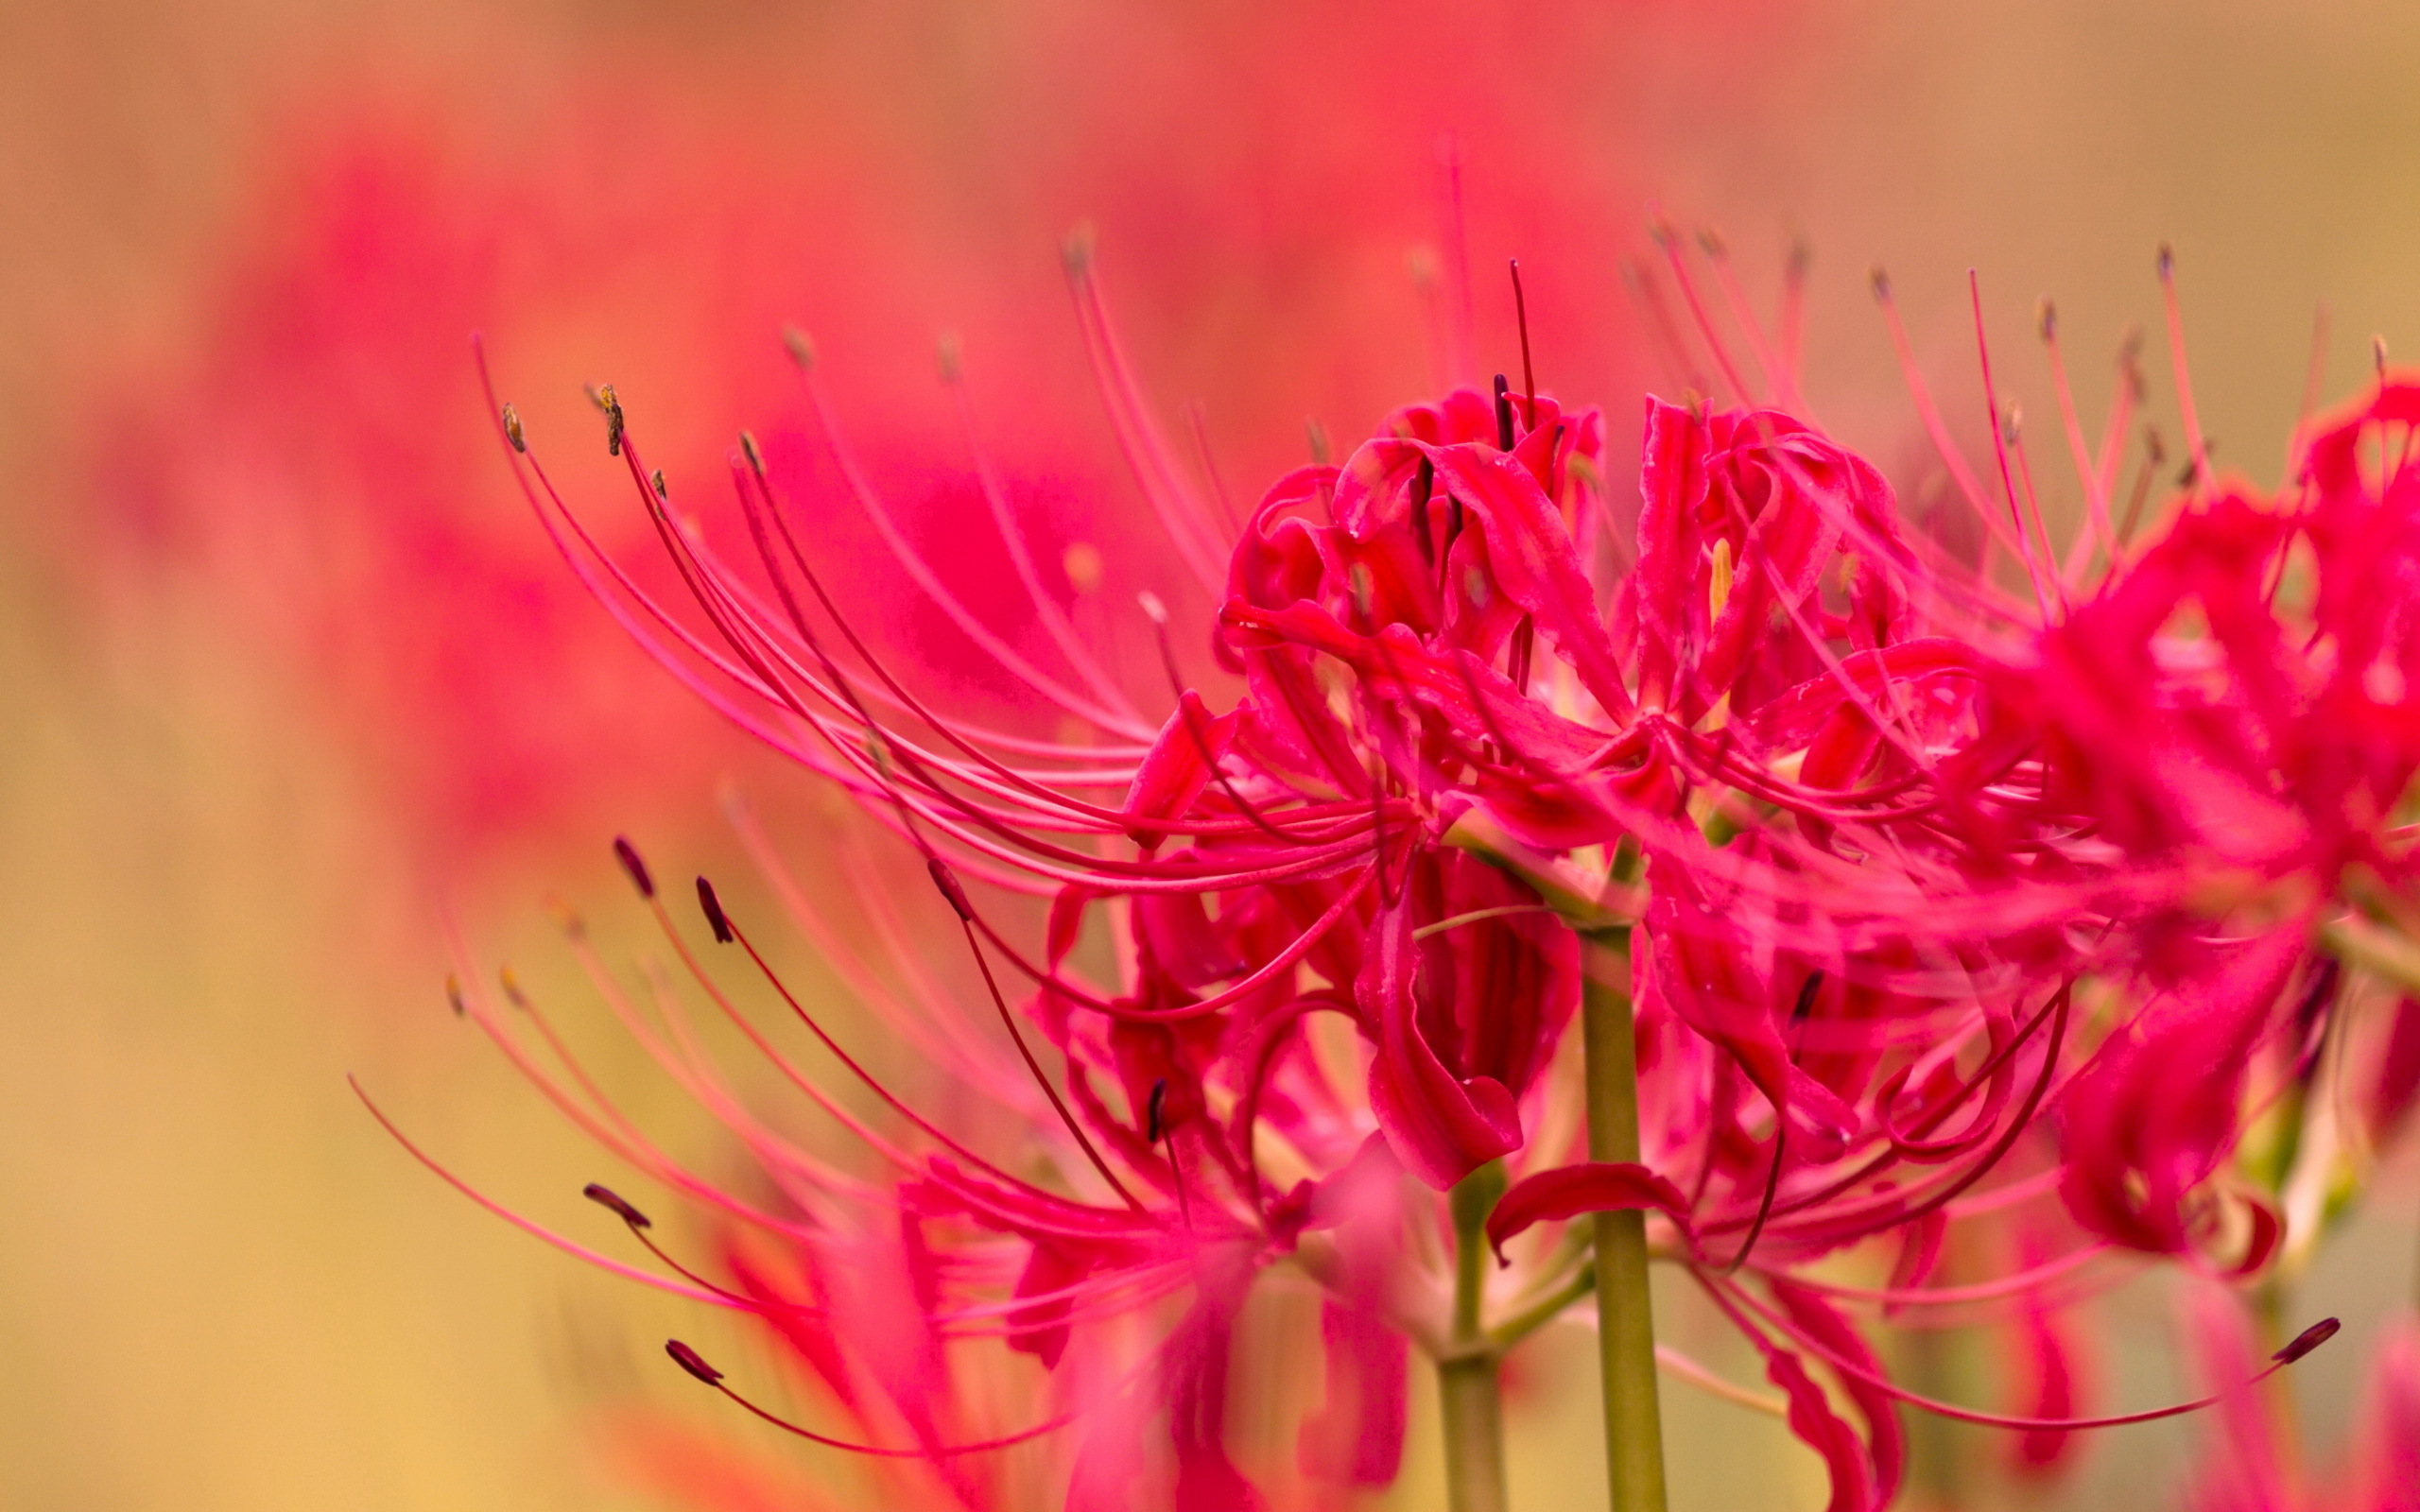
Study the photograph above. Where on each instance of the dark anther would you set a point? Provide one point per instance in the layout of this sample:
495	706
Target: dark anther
628	854
512	429
2046	316
715	918
2308	1340
1881	281
1423	484
603	394
946	881
748	449
655	480
1807	991
2167	261
612	1201
689	1360
802	351
1503	416
1154	1110
454	994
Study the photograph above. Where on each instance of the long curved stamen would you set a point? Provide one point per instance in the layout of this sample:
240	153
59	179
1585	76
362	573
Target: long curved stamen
691	1362
1668	243
1730	1297
2197	448
955	895
1999	451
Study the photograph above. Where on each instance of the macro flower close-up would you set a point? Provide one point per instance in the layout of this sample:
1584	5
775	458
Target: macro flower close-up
1036	755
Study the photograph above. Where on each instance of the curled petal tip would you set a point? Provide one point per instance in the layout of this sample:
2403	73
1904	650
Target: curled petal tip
628	854
2308	1340
606	1198
715	918
691	1360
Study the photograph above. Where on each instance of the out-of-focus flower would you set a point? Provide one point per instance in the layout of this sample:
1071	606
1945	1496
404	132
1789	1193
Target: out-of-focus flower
297	468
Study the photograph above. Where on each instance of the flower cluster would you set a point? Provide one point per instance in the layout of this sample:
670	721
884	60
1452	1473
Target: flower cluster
1898	890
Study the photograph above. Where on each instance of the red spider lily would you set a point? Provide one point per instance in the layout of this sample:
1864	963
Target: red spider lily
1914	926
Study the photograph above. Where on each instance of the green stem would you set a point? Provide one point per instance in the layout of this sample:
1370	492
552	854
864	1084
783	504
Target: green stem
1469	1388
1626	1328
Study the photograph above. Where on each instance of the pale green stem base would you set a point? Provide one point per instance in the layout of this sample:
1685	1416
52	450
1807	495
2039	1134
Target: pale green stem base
1469	1395
1626	1328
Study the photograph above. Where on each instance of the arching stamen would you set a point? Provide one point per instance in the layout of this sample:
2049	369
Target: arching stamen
547	1236
1729	1295
2314	375
1528	376
1157	1127
948	882
1660	231
691	1362
2013	428
1793	307
1478	916
1638	282
2155	455
1919	394
2096	498
2197	450
1764	1205
995	498
1460	324
1778	377
638	1223
1999	450
1157	614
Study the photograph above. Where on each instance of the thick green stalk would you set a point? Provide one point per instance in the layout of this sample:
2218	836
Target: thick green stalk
1625	1327
1469	1389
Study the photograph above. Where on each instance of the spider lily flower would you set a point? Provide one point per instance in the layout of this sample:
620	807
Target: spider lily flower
1912	933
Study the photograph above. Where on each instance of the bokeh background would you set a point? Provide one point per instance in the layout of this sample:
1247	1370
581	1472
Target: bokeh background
290	675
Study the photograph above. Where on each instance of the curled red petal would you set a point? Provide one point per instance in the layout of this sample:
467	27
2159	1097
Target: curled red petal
1593	1186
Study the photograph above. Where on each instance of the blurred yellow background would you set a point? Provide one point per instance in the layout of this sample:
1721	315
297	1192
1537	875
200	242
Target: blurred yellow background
220	1287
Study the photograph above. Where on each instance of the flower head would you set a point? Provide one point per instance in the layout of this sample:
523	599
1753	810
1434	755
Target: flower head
1915	921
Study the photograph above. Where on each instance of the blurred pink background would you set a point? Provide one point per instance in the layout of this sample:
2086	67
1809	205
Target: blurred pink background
290	665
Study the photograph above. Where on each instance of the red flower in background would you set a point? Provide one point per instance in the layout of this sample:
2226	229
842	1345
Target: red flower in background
1263	170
